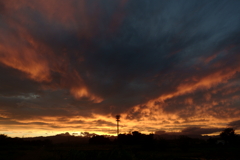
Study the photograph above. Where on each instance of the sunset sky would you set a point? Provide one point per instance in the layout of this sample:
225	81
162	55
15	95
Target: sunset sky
164	65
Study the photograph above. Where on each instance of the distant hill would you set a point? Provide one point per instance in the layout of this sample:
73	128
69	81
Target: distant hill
61	139
173	136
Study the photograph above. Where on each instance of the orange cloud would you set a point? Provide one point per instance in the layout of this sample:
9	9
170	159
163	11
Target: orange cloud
25	52
206	82
27	59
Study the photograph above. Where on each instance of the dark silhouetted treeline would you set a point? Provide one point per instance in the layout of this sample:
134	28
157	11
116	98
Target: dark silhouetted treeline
136	138
183	142
5	140
134	146
99	140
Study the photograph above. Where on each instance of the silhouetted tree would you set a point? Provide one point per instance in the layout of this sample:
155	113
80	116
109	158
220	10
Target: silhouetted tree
3	139
162	144
99	140
184	142
118	119
228	135
135	138
3	136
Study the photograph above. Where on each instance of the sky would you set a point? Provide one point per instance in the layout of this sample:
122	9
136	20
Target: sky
164	66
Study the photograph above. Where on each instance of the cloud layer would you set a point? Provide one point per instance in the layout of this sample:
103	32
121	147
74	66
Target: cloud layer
160	64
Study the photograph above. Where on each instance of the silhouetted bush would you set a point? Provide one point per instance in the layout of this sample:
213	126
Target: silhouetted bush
212	141
4	139
99	140
162	144
184	142
45	142
136	138
229	136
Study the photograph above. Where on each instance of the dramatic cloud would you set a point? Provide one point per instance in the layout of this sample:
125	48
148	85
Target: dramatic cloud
72	65
192	131
234	124
199	131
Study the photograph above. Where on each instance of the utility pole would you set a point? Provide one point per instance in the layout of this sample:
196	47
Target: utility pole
118	119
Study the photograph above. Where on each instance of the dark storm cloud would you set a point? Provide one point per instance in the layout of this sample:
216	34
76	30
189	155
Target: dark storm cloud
48	103
234	124
71	58
80	124
102	123
199	131
94	122
7	121
15	84
191	131
2	7
156	47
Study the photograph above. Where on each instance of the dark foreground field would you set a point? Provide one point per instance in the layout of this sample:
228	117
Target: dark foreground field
115	152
